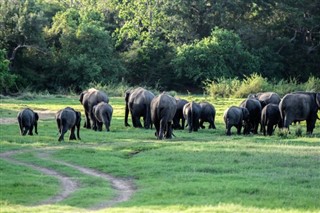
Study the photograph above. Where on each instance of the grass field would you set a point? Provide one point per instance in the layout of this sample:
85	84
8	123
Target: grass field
203	171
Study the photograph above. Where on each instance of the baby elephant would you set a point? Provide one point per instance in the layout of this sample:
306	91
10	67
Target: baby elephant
103	114
68	118
270	117
208	114
238	117
27	120
191	112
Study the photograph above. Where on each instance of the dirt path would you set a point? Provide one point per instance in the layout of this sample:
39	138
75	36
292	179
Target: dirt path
68	186
124	188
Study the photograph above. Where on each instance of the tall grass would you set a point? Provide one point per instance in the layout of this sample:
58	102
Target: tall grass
255	83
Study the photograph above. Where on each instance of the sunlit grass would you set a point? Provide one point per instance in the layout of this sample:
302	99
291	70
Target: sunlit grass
203	171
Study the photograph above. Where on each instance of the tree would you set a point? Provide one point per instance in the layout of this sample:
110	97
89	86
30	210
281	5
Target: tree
7	80
222	54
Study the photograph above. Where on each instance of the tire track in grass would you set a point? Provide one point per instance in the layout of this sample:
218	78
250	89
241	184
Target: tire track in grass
67	184
124	188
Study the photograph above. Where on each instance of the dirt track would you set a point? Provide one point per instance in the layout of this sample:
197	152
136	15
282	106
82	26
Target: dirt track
124	188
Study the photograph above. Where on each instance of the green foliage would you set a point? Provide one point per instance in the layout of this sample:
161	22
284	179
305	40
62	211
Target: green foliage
7	79
251	84
220	55
255	83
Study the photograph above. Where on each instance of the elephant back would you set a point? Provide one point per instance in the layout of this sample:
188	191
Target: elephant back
163	105
94	96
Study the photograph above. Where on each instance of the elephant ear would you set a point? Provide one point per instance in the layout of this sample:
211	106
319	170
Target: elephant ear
36	116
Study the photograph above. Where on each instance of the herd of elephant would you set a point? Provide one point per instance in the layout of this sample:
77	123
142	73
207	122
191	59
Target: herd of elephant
166	112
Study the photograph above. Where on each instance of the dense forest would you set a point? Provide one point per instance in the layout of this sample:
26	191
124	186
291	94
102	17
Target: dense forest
165	44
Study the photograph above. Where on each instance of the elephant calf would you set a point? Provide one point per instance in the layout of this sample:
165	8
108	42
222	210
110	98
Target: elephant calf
254	108
103	113
238	117
191	112
28	119
208	114
68	118
179	114
163	109
270	117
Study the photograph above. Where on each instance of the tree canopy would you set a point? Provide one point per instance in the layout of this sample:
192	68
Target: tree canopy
167	44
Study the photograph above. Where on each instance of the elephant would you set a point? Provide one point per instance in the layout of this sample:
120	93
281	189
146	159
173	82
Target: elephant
300	106
28	119
138	103
238	117
192	112
266	98
88	99
163	109
208	114
254	108
103	114
68	118
270	117
179	114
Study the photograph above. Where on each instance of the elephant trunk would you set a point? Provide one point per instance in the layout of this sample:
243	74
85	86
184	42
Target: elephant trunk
126	115
36	127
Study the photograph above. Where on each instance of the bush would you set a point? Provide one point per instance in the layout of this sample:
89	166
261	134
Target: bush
251	84
7	80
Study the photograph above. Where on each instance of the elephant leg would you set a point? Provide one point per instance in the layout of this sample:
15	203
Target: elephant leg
72	135
136	121
239	127
26	129
310	125
270	129
183	120
63	131
20	126
87	123
228	130
30	130
169	130
157	126
99	126
163	127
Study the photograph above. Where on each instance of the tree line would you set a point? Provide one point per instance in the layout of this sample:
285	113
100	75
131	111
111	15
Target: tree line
165	44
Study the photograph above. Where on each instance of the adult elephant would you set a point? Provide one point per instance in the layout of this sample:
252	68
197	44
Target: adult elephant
300	106
254	108
88	99
68	118
28	119
163	109
266	98
192	112
238	117
103	113
207	114
270	117
179	114
138	103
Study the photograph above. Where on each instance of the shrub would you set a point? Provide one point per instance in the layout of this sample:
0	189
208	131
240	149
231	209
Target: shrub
313	84
251	84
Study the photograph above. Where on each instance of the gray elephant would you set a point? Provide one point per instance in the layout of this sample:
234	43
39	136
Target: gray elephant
28	119
179	114
88	99
192	112
270	117
163	109
300	106
68	118
238	117
254	108
266	98
208	114
138	103
103	113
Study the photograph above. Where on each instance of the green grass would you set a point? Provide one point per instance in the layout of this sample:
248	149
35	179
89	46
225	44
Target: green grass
194	172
